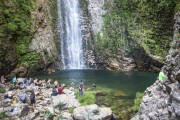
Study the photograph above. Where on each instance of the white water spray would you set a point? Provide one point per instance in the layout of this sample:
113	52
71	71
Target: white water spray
70	34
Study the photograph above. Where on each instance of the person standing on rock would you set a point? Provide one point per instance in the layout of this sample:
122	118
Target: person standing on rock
81	88
162	75
80	91
32	100
48	84
81	85
3	80
14	80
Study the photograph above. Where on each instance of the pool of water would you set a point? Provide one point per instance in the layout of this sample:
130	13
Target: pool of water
129	82
120	87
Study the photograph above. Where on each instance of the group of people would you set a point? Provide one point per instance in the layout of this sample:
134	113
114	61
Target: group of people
16	98
38	85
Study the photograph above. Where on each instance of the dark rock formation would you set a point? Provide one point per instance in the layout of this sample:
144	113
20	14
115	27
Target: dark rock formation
162	99
144	62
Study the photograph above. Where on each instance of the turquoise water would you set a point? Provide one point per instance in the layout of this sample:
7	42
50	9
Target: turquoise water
128	82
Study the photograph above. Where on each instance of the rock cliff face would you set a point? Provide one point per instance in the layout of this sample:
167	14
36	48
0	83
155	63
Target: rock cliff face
44	41
162	99
28	42
124	34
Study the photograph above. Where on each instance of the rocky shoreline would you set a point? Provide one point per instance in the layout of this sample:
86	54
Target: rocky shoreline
47	107
162	99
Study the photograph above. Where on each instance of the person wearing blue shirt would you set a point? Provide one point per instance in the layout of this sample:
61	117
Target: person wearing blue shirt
14	80
54	91
23	85
23	98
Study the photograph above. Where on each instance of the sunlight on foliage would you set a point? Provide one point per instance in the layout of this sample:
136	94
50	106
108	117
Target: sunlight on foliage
137	101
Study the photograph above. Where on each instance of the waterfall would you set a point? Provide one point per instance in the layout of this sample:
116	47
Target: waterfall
69	28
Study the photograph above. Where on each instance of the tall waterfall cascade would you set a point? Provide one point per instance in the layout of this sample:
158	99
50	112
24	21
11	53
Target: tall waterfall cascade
69	28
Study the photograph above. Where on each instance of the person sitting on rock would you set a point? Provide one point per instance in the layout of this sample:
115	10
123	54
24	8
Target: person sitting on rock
44	83
14	100
54	91
39	83
23	97
30	81
24	81
60	89
23	86
162	75
48	84
35	82
56	83
9	94
13	105
40	91
3	80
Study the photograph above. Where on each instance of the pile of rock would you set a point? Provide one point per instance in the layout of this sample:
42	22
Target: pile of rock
162	99
53	107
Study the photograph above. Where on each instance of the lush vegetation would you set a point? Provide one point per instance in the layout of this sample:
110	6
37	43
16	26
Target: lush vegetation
16	27
87	98
131	23
137	101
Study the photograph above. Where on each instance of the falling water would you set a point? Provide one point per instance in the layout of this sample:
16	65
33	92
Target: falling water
70	34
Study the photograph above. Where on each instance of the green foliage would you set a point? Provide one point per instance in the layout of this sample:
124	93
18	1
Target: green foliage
17	14
2	90
47	113
145	23
137	101
70	110
87	98
15	24
177	5
30	59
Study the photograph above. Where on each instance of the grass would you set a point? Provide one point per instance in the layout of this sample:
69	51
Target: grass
137	101
87	98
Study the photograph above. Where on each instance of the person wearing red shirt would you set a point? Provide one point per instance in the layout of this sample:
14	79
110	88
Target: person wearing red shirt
60	89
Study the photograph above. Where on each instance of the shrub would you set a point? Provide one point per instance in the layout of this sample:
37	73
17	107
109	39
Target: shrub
87	98
70	110
137	101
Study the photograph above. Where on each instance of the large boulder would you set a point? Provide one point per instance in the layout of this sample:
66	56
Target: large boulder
68	99
92	112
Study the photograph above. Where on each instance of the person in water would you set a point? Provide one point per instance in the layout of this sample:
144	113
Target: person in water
162	75
94	85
